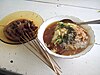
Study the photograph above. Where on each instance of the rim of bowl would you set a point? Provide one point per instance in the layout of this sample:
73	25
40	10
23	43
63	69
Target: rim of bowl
58	18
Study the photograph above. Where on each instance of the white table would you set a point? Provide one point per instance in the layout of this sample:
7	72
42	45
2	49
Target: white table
26	63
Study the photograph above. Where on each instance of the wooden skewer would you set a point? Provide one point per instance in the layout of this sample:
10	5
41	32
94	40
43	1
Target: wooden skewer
57	66
45	53
37	47
40	52
39	56
26	40
54	68
38	43
50	56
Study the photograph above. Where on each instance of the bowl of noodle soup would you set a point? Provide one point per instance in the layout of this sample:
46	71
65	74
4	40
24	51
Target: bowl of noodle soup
63	37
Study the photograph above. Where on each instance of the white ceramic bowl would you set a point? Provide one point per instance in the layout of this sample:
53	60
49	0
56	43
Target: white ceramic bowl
58	18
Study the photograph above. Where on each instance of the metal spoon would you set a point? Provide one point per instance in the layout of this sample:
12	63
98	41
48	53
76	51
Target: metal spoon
90	22
81	23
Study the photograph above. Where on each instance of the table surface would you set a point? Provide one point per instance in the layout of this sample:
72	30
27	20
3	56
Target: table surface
26	63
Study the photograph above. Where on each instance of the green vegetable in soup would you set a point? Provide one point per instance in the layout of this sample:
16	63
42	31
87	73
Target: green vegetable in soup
64	32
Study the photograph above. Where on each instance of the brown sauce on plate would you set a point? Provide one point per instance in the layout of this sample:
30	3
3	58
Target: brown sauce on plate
17	29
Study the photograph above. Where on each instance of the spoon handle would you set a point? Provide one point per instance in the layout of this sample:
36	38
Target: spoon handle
91	22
